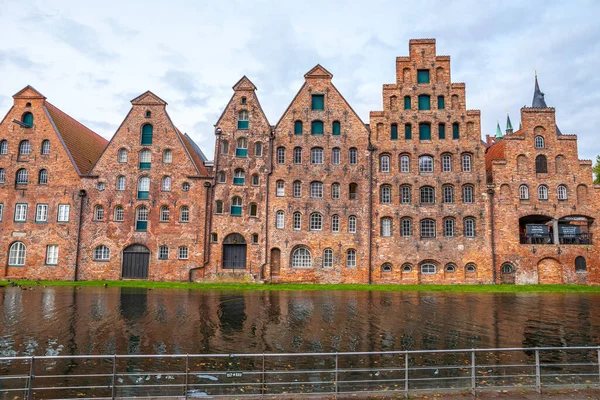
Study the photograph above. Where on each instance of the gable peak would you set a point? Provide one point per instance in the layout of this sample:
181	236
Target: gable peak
28	92
244	84
148	98
318	71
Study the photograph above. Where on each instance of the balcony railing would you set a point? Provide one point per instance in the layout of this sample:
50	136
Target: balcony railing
579	238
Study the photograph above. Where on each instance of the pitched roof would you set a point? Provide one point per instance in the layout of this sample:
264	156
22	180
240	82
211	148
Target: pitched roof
148	98
191	147
28	92
494	152
538	96
83	145
318	72
244	84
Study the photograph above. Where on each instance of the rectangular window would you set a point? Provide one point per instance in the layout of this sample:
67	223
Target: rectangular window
424	132
163	253
41	213
335	156
407	131
52	254
335	223
1	211
442	131
407	102
424	102
441	104
183	253
63	212
423	76
455	131
236	210
21	212
243	124
318	102
394	135
404	164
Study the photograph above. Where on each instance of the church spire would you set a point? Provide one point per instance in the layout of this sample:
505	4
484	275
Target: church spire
509	128
538	96
498	131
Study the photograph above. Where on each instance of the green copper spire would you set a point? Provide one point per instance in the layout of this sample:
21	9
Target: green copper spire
509	128
498	131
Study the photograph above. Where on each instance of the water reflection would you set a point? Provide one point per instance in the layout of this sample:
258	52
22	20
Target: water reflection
109	320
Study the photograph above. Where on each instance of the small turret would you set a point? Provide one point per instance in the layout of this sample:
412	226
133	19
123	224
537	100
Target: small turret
509	128
498	131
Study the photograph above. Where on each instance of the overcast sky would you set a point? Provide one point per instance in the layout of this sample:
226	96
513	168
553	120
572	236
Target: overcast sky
91	58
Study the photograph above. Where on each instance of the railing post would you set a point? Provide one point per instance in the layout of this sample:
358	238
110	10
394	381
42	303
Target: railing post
473	373
538	378
262	379
187	370
406	375
114	377
336	375
31	377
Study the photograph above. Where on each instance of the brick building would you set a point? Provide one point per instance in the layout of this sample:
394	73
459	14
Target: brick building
415	196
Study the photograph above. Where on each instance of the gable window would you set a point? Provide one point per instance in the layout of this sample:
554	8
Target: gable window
183	253
22	177
406	227
316	128
316	190
166	184
523	192
541	164
407	102
543	192
258	149
425	164
148	114
236	206
167	156
427	228
101	253
405	194
279	220
41	213
280	188
316	222
455	131
297	189
239	177
386	227
119	215
219	207
255	180
184	214
352	224
328	258
448	194
185	186
468	194
316	155
335	223
423	76
100	186
141	218
441	105
3	147
351	258
469	227
449	227
52	254
147	133
243	121
241	149
424	102
336	128
353	156
163	253
20	212
353	191
442	131
466	163
407	131
298	128
98	213
164	214
318	102
427	195
562	192
2	175
446	163
145	159
43	177
17	254
335	156
539	142
63	212
281	155
335	191
27	119
45	147
253	210
386	194
121	183
404	164
424	131
24	148
143	188
394	132
122	156
243	100
384	163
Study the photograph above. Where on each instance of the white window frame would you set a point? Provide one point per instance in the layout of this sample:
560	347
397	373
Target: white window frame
350	258
21	212
542	192
297	221
41	213
404	164
316	221
279	219
183	253
280	188
163	252
562	192
52	254
428	269
281	155
63	212
524	192
17	254
122	156
384	163
297	155
316	190
335	156
468	194
352	222
386	227
448	194
101	253
119	214
335	223
301	258
98	213
121	183
297	189
328	258
467	163
353	156
406	228
386	194
184	214
166	184
469	227
316	156
426	165
428	228
167	156
446	163
405	194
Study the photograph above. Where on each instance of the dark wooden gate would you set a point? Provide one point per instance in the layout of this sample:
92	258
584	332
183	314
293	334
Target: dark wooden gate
136	259
275	261
234	252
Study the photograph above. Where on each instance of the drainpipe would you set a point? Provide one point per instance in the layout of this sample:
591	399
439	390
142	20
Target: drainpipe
492	237
82	194
371	150
269	172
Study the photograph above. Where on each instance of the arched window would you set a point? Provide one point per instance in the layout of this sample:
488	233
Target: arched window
98	213
298	128
236	206
328	258
541	164
404	163
386	227
147	132
258	148
428	269
2	175
335	156
386	268
336	128
22	177
353	156
17	254
406	227
450	268
353	191
424	131
45	147
466	163
580	264
448	194
297	221
279	220
427	228
351	258
406	268
384	163
239	177
166	184
219	207
297	155
562	192
424	102
425	164
507	268
385	195
539	142
143	188
316	222
243	121
101	253
43	177
121	183
297	189
335	191
316	155
167	156
281	155
184	214
469	227
221	177
280	188
24	148
523	192
3	147
405	195
542	192
27	119
352	224
241	149
449	227
316	190
163	252
316	128
119	214
427	195
335	223
301	258
165	213
468	194
145	159
122	156
470	268
225	147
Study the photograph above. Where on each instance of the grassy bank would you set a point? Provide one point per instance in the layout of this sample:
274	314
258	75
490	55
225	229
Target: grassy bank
304	286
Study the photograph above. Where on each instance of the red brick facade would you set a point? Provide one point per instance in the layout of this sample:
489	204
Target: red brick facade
415	196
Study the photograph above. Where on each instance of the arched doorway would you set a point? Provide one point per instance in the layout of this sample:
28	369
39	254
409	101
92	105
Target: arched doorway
550	271
234	252
275	261
508	273
136	259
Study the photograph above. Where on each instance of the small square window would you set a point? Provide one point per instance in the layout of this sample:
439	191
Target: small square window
254	238
214	238
243	100
318	102
423	76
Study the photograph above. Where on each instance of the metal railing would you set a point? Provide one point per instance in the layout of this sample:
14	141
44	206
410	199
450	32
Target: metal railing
297	374
579	238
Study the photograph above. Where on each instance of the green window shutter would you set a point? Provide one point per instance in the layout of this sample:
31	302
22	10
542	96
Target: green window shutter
238	181
147	134
336	128
407	131
317	128
407	102
423	76
424	102
318	102
298	128
145	165
441	104
424	132
455	131
143	195
28	119
394	132
141	225
236	210
442	131
241	152
243	124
